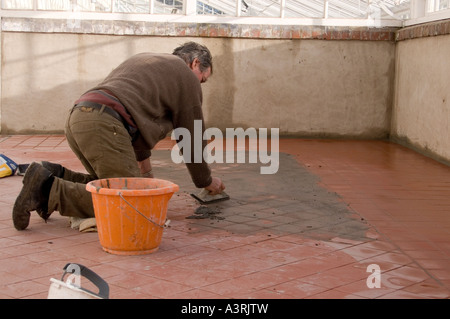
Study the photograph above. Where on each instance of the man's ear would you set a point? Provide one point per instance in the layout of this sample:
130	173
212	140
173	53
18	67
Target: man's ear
195	63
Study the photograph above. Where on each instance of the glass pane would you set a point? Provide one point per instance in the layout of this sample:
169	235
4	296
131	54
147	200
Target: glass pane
391	9
304	9
168	6
443	4
347	9
133	6
261	8
402	8
80	5
17	4
214	7
94	5
54	5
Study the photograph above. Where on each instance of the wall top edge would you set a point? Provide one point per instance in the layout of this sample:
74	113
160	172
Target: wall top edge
197	29
428	29
177	18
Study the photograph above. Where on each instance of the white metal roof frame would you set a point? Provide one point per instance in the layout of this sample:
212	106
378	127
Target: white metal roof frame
377	13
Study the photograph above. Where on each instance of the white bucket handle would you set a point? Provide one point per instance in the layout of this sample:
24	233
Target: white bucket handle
78	270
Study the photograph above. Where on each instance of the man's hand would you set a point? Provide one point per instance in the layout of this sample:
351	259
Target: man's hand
216	186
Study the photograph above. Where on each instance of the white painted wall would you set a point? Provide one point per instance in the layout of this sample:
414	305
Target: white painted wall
421	112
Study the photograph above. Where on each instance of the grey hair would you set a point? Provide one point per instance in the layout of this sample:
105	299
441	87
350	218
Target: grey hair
192	50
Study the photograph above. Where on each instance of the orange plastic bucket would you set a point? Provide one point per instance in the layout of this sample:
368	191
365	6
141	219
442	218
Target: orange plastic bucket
130	213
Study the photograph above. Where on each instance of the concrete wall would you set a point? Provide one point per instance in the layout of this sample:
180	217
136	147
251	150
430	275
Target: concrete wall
307	81
305	87
421	110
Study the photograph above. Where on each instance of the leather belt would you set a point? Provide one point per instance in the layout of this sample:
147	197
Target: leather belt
108	110
98	106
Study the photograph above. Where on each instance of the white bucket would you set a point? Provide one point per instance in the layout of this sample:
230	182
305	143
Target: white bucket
71	288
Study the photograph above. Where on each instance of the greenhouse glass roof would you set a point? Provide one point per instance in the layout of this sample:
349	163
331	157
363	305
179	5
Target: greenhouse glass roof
400	10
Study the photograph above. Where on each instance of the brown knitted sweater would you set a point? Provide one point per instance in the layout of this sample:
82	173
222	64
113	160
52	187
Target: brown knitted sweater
161	93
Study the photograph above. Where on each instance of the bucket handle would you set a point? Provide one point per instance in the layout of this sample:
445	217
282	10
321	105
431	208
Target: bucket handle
151	221
78	270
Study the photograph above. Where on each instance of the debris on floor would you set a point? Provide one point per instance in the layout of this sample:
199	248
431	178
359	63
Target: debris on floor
204	212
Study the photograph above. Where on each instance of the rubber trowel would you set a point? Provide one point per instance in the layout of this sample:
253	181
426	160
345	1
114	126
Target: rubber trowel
205	198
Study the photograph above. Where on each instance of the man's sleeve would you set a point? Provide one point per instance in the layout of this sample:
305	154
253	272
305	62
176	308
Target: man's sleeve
200	172
141	149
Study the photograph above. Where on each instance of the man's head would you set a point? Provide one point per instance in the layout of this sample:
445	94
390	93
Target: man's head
197	57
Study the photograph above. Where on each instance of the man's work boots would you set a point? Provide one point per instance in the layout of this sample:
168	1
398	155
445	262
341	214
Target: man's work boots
34	195
56	169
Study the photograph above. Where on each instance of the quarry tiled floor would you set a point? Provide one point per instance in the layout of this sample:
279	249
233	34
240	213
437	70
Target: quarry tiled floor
310	231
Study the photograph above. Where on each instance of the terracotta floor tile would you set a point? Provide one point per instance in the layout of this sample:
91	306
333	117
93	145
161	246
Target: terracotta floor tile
117	292
241	285
360	253
162	289
401	294
131	280
197	277
360	288
441	275
390	260
335	277
25	289
196	294
298	289
310	231
299	269
402	277
434	264
428	254
334	294
265	293
9	278
429	289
